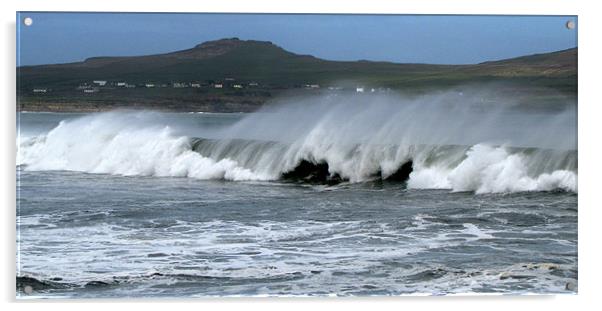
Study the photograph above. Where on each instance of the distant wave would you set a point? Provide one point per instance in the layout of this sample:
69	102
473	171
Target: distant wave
426	142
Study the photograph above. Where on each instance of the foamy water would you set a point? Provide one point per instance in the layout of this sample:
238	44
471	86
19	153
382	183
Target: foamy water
126	203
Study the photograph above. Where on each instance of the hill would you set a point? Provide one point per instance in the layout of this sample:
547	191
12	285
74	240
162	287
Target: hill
238	75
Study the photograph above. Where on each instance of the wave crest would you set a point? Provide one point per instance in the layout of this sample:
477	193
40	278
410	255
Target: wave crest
490	169
111	144
414	142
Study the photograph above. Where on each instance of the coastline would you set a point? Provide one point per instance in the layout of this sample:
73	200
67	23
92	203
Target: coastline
180	107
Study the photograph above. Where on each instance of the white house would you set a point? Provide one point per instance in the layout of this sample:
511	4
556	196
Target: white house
149	85
121	84
218	85
40	90
359	89
196	85
237	86
100	82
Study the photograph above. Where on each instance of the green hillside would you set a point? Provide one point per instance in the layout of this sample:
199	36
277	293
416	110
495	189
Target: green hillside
262	70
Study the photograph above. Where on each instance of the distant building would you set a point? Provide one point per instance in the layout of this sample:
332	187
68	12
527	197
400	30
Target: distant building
100	82
253	84
195	85
312	86
149	85
130	86
229	79
121	84
359	90
92	90
218	86
237	86
40	90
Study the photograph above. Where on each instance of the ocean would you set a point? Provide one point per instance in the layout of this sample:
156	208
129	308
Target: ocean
314	197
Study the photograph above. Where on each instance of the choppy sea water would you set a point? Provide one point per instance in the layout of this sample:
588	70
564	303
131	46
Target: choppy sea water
92	232
110	236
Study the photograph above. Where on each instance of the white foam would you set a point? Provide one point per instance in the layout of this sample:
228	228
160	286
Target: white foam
491	169
121	144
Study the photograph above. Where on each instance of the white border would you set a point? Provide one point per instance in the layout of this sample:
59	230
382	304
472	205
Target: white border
589	145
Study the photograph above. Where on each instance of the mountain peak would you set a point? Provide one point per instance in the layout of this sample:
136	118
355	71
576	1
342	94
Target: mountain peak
214	48
226	42
205	50
230	42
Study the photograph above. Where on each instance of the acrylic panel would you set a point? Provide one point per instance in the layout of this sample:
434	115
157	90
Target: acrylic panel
185	155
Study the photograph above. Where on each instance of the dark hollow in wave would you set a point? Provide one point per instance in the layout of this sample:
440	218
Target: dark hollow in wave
317	173
310	172
402	174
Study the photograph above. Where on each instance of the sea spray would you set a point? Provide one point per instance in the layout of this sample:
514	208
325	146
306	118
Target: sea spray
462	143
123	143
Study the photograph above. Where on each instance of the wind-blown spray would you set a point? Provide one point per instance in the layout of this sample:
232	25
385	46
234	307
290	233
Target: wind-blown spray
457	141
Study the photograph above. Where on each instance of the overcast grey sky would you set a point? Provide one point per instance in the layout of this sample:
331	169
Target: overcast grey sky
69	37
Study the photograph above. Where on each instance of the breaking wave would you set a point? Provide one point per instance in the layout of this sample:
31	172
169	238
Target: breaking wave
429	142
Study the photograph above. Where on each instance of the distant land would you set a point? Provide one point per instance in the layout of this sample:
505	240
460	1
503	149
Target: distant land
232	75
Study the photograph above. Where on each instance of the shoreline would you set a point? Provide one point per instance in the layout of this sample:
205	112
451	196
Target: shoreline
79	108
126	109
